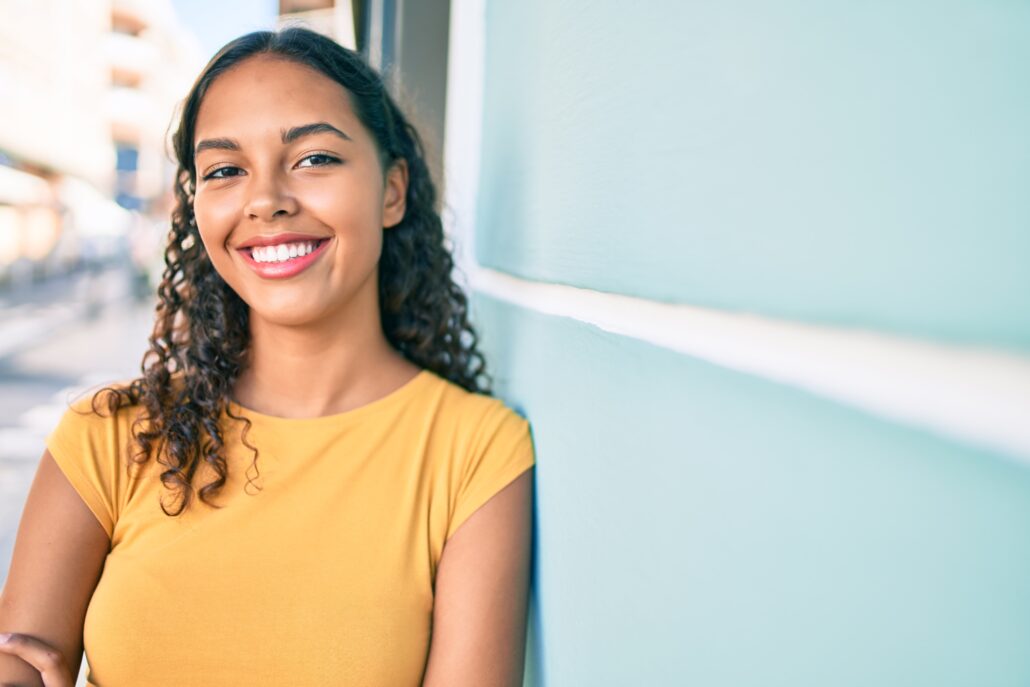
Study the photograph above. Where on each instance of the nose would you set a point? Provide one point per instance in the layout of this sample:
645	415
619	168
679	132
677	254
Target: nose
269	199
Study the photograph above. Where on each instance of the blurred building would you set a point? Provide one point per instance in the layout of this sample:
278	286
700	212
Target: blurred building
334	19
89	90
152	61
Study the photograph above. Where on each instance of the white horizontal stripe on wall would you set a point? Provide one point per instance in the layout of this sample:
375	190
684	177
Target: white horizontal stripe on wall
979	396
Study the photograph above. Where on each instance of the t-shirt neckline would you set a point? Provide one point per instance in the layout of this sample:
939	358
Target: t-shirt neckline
391	399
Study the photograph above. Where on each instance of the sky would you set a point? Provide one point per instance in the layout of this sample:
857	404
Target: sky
216	23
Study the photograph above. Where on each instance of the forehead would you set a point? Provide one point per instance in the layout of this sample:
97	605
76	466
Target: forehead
267	94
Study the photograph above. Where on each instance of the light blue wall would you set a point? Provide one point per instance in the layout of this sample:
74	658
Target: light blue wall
858	163
853	164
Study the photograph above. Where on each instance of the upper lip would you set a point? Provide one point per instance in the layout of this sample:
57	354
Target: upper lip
276	239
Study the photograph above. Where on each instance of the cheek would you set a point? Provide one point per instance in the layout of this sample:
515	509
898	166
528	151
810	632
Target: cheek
351	202
214	222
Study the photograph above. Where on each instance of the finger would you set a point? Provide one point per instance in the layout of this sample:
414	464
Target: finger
40	655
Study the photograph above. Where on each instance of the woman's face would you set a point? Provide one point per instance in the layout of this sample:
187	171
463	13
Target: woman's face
290	197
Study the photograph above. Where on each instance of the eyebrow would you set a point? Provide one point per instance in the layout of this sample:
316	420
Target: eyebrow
288	136
310	129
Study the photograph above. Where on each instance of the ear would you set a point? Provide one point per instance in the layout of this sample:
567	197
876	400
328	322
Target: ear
395	194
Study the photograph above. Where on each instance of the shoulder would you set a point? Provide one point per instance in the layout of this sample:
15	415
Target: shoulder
91	443
485	445
97	410
477	417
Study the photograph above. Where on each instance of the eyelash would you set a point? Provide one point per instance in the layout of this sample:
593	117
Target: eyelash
332	160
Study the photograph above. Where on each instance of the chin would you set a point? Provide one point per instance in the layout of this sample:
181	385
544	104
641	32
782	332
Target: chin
287	317
287	313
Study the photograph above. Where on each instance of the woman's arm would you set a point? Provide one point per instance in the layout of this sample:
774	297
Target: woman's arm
57	560
482	594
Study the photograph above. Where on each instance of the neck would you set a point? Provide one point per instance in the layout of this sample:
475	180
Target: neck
335	365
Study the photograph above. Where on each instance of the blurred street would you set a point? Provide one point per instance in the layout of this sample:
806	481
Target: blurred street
57	336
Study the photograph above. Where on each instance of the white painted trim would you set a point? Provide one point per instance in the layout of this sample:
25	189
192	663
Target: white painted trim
375	34
976	395
463	130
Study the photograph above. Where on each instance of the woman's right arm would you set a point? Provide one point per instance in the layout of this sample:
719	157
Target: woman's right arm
58	557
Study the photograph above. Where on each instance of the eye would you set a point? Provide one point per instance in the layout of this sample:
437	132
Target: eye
217	174
318	160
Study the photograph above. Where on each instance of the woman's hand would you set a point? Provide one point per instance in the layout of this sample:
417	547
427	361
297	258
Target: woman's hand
46	659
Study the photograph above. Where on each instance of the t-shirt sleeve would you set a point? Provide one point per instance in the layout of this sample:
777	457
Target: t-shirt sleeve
86	447
501	451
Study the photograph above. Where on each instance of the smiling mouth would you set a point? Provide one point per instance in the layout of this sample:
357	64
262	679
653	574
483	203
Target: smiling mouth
283	252
284	260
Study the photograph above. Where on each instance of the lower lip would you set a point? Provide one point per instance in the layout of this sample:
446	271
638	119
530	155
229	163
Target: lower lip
288	268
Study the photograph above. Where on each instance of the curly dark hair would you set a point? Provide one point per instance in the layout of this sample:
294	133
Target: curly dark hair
200	338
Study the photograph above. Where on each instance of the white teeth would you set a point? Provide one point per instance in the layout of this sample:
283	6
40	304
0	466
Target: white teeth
282	252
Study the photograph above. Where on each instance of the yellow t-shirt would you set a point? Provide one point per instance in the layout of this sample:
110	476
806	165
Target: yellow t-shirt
323	577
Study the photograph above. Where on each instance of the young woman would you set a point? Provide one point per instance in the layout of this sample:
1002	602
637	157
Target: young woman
310	484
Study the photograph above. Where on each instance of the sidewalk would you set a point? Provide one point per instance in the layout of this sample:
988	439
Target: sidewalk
29	313
77	348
